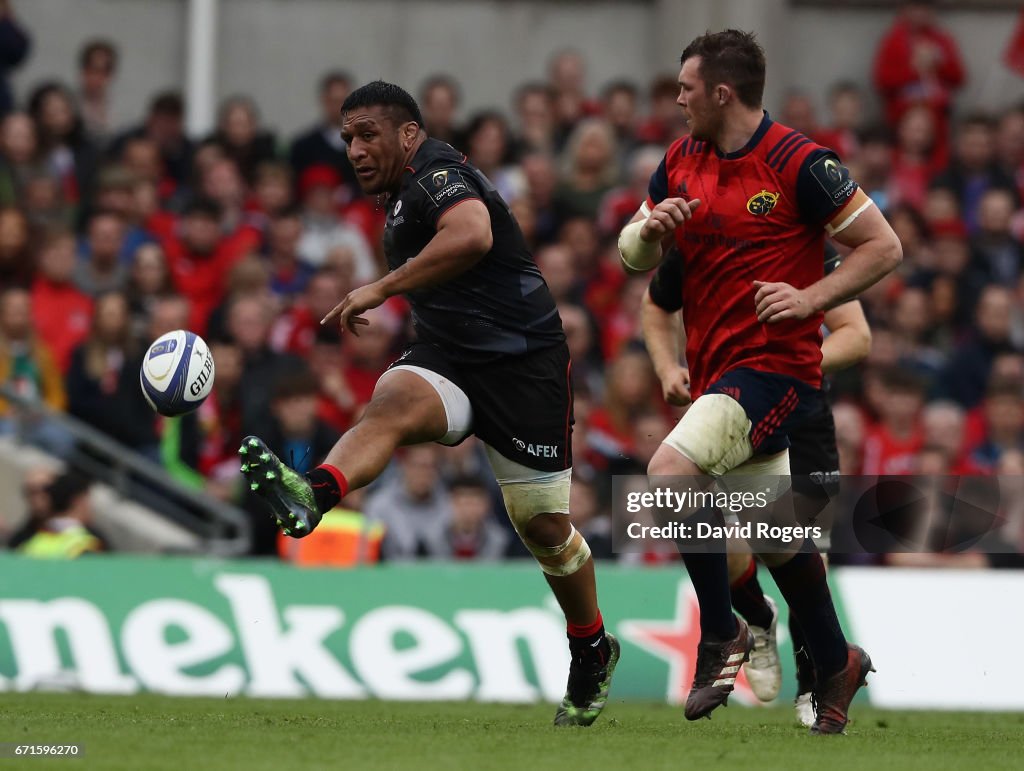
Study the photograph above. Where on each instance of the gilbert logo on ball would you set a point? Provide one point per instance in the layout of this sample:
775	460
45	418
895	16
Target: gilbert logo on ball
177	373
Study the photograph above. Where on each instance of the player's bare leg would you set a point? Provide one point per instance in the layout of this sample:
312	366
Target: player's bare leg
576	593
725	641
405	409
538	505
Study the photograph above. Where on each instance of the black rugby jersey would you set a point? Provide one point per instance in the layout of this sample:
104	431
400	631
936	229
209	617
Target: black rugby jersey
499	307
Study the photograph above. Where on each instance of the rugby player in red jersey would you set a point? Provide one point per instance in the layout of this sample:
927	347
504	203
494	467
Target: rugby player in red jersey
748	202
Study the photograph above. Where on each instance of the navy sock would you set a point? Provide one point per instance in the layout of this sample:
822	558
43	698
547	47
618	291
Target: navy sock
802	582
748	598
709	574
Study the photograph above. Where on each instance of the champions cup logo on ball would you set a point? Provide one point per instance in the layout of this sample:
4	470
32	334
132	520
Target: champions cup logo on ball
177	373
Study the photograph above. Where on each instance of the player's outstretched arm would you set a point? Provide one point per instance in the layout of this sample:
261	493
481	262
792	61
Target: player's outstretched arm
463	237
640	242
849	337
662	335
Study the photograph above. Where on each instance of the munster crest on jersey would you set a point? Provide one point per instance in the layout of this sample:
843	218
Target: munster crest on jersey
761	204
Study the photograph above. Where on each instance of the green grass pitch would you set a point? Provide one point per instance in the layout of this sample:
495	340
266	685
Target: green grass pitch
153	732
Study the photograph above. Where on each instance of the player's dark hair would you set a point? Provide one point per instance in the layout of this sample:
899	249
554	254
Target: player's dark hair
733	57
400	104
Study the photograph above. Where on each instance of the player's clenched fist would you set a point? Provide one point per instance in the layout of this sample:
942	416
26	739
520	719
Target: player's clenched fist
666	217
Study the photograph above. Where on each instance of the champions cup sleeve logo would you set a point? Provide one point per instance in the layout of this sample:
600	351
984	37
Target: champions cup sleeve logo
761	204
834	178
444	184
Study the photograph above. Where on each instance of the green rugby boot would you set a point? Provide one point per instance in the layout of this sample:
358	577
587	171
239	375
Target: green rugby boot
587	690
286	491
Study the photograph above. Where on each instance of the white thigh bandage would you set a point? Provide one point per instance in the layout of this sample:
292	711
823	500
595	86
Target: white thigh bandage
456	403
764	473
528	492
714	434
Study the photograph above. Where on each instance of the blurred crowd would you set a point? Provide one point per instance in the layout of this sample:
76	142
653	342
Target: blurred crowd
112	235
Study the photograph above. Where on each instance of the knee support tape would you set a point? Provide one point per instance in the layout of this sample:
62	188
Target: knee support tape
714	433
528	492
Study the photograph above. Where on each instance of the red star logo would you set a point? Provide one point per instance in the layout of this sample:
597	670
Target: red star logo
676	641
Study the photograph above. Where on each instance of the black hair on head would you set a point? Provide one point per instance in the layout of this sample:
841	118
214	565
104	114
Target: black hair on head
400	104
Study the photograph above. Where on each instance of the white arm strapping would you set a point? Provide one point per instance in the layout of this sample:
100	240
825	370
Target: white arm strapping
849	220
636	253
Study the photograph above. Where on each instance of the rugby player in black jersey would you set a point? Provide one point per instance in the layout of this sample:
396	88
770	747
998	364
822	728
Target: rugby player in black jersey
490	359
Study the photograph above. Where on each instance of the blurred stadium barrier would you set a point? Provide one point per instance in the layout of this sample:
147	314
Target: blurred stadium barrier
448	632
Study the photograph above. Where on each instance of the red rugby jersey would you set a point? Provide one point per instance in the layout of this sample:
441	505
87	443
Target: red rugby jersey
761	218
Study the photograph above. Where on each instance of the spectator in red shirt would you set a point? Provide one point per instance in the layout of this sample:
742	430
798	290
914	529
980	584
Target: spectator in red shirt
916	159
846	111
891	446
369	354
295	330
631	386
61	311
200	259
918	62
665	123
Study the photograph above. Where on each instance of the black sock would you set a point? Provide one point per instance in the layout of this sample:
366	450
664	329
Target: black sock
802	582
804	665
589	641
748	598
326	491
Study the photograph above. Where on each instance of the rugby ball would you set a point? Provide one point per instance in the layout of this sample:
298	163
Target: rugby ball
177	373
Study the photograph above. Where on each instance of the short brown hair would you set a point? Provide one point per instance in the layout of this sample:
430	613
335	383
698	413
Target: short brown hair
733	57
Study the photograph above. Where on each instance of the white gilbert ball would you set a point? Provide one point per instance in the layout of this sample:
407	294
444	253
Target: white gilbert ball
177	373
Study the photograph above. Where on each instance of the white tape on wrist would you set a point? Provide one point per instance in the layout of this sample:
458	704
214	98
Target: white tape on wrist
636	253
